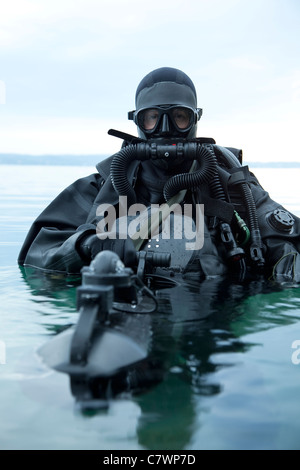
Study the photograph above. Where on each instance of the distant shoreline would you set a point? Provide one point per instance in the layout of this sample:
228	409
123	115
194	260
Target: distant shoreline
52	160
87	160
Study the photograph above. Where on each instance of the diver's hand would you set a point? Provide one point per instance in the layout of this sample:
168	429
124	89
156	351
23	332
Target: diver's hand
92	245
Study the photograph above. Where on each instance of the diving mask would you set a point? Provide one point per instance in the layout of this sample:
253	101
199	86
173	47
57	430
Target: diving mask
164	117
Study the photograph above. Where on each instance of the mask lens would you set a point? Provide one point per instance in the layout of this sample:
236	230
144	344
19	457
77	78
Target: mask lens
182	117
148	118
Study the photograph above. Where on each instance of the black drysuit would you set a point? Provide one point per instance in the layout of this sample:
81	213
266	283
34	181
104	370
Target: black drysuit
53	240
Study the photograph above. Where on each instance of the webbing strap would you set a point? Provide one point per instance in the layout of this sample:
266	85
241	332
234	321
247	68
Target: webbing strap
218	208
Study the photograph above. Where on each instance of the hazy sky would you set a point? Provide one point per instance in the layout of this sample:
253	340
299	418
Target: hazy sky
69	70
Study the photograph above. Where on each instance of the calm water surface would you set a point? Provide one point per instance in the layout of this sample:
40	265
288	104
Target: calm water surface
227	376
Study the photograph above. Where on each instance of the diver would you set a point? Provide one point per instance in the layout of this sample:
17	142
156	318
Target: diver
244	231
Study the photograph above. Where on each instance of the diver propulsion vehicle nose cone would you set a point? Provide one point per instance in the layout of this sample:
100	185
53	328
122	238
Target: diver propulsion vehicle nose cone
110	350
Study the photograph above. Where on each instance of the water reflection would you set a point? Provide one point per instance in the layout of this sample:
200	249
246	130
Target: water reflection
191	349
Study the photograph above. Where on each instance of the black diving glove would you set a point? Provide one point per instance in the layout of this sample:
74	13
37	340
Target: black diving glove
91	245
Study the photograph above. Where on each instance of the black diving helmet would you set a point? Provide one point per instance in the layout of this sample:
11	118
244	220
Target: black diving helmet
166	106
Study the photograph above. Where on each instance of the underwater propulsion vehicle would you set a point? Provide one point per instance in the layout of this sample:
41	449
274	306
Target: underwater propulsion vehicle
113	332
